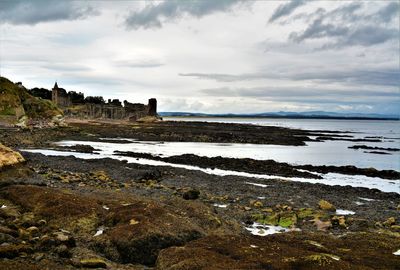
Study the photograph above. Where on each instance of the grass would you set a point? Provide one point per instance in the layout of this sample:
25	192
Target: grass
13	98
7	111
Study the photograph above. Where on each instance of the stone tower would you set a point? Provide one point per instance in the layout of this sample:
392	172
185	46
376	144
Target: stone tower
60	97
54	93
152	107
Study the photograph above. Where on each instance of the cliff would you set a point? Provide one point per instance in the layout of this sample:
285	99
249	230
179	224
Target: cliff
19	107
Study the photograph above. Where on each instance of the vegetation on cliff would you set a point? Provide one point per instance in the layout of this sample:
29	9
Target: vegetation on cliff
16	103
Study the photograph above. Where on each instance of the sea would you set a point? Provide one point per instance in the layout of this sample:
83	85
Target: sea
315	153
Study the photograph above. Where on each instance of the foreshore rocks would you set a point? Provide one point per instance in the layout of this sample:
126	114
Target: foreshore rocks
242	165
62	212
295	250
269	167
135	231
353	170
366	147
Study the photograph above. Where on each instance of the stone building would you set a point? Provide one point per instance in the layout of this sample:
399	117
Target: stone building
113	109
60	97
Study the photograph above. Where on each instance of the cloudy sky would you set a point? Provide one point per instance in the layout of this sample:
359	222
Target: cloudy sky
210	56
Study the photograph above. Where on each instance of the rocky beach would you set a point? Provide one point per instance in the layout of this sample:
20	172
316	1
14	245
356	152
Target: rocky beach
65	212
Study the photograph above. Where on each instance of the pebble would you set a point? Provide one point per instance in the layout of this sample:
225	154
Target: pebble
61	237
4	238
38	257
63	251
33	230
42	222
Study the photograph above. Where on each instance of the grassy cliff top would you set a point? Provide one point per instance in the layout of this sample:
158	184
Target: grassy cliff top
16	101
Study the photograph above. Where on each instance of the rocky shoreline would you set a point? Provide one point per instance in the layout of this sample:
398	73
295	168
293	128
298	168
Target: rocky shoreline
264	166
68	213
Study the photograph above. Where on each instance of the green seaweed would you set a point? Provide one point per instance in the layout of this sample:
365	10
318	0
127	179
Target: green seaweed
304	213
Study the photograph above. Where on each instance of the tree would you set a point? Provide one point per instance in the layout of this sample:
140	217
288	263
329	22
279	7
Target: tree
94	100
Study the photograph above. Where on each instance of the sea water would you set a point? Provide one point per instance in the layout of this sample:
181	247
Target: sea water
314	153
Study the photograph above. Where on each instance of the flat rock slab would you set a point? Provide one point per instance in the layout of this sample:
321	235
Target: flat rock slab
285	251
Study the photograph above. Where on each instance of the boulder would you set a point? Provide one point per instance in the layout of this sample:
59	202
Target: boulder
9	157
142	229
325	205
390	221
191	194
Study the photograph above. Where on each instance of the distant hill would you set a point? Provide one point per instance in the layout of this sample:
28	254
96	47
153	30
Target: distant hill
18	106
310	114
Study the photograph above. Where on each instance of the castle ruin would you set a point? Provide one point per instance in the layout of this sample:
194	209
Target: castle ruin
75	105
60	97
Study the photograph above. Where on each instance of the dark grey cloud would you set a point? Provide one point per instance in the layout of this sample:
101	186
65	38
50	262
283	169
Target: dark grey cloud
38	11
364	35
153	16
345	12
387	13
382	77
319	30
286	9
348	25
368	35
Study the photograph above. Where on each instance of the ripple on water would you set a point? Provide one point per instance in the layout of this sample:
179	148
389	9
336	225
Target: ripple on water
263	230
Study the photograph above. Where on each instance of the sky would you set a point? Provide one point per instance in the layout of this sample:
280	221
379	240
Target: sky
225	56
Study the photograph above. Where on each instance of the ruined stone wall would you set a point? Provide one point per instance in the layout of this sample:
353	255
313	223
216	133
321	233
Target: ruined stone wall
107	111
113	109
104	111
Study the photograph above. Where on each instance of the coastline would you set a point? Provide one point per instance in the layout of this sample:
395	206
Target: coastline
149	216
